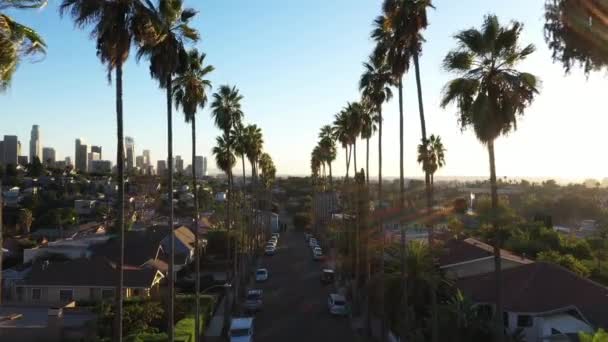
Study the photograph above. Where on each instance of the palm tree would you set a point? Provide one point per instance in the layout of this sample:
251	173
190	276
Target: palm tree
437	156
327	143
17	40
240	145
341	132
254	142
113	25
190	93
162	34
355	111
268	174
368	128
489	94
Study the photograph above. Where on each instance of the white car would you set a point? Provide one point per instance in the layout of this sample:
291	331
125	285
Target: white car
312	242
317	255
275	235
241	329
261	275
270	250
336	304
272	242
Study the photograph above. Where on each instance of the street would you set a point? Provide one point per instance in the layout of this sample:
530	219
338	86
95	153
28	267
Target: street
295	301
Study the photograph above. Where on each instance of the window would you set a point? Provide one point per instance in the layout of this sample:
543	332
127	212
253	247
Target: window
524	321
107	293
66	295
36	294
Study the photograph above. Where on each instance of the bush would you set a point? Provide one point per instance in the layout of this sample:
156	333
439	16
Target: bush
566	260
148	337
184	329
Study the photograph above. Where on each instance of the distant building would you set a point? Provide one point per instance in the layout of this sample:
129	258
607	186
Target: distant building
101	166
161	167
149	170
130	152
199	163
68	161
48	156
97	149
179	164
139	162
60	164
91	156
204	166
146	155
35	145
22	160
81	155
11	150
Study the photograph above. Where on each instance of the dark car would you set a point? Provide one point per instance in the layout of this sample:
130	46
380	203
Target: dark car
327	276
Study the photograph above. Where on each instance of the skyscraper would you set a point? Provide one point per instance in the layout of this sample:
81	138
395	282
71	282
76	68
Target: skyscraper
139	162
146	157
48	156
204	166
97	149
91	156
68	161
161	167
1	152
81	155
11	150
35	146
179	164
130	152
199	162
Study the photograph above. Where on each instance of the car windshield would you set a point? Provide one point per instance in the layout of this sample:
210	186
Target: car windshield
239	332
261	272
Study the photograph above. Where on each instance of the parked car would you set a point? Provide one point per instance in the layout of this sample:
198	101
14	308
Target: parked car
270	250
307	236
317	254
327	276
275	235
336	304
272	242
253	300
312	242
261	275
241	329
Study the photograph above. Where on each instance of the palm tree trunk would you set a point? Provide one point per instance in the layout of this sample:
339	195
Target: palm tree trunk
331	179
404	303
243	160
1	241
367	161
355	159
197	260
381	223
346	157
171	233
499	332
120	166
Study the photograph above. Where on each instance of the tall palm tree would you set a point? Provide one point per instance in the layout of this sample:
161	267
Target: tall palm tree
369	120
341	132
355	111
328	145
190	93
17	40
163	32
254	143
240	145
375	88
437	156
114	25
490	92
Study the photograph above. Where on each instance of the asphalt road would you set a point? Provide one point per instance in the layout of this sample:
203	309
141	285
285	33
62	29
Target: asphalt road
295	306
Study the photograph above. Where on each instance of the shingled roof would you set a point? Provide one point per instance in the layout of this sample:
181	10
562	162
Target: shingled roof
95	272
541	287
457	251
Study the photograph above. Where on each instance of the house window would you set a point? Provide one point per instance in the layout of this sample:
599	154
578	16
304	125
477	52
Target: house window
36	294
66	295
107	293
524	321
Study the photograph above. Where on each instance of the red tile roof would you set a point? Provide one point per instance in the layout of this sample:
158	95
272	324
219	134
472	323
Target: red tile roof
541	287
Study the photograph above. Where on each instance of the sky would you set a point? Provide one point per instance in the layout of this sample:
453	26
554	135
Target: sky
297	63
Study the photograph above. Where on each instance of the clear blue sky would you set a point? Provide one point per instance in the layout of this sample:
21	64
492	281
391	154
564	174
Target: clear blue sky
297	63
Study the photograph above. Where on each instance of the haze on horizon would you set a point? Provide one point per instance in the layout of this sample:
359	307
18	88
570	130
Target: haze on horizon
295	74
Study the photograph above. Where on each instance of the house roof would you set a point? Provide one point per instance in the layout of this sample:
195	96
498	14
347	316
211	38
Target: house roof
459	251
541	287
95	272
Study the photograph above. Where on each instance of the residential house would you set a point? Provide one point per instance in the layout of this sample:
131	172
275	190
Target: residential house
469	257
71	248
61	282
545	300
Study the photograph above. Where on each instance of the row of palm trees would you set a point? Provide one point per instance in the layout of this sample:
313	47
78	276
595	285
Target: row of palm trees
489	94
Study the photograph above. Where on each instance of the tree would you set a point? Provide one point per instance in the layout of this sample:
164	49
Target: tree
566	260
17	40
190	93
114	27
35	168
342	134
489	94
327	144
301	220
598	336
576	32
240	144
374	85
369	126
25	220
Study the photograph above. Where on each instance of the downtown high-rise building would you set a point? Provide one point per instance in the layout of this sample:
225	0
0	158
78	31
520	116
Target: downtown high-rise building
11	148
139	162
35	144
81	154
204	166
97	149
129	153
146	155
199	164
48	156
161	167
179	164
91	156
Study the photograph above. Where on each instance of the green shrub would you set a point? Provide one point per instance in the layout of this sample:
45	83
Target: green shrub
148	337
